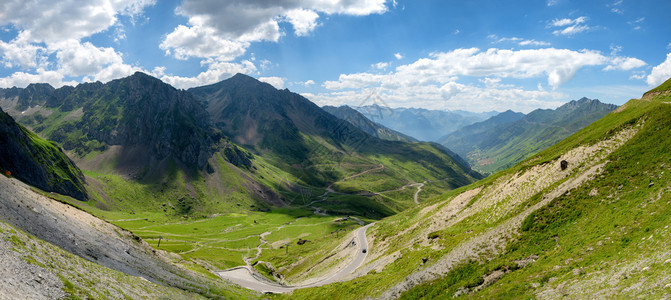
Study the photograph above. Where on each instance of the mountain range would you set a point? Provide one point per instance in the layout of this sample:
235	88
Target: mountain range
360	121
585	217
422	124
508	138
274	142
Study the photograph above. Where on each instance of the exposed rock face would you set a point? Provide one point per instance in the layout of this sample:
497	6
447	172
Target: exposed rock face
165	120
137	112
37	162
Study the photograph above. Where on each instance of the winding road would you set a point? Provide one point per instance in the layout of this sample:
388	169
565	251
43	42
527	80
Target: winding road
246	276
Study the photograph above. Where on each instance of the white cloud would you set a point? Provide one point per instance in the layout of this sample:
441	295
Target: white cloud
277	82
450	95
533	43
22	79
225	29
519	41
21	54
197	41
571	26
624	63
47	21
303	20
571	30
216	71
615	49
398	56
55	29
615	7
78	59
308	83
660	73
637	23
566	22
355	81
380	65
495	83
557	65
434	81
552	2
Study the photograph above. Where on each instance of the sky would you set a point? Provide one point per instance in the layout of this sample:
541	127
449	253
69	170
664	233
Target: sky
449	55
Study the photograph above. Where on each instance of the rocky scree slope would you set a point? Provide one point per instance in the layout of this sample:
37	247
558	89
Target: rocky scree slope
97	241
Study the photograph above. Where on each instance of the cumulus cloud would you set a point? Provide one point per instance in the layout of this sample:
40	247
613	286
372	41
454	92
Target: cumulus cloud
225	29
196	41
660	73
303	20
624	63
54	29
216	71
450	95
398	56
22	79
46	21
21	54
277	82
434	81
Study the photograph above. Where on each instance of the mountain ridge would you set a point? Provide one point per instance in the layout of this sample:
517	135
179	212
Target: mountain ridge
359	120
495	144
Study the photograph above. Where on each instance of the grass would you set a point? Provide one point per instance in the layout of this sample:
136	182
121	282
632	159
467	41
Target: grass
592	235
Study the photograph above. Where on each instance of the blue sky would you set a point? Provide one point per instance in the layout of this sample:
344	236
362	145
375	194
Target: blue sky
469	55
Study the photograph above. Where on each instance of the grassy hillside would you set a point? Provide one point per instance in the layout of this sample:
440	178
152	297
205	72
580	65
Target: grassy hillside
596	228
503	141
360	121
36	161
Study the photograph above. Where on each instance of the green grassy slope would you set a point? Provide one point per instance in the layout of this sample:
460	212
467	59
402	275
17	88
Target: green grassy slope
503	143
36	161
598	229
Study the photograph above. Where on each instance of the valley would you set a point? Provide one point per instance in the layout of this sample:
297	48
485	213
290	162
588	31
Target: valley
256	216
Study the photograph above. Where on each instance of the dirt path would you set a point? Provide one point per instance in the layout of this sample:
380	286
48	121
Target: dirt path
247	277
419	189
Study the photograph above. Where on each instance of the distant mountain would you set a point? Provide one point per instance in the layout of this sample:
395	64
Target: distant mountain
464	139
509	137
422	124
36	161
360	121
148	143
314	145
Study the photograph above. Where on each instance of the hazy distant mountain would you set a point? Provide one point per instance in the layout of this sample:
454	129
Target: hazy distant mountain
509	137
359	120
422	124
464	139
